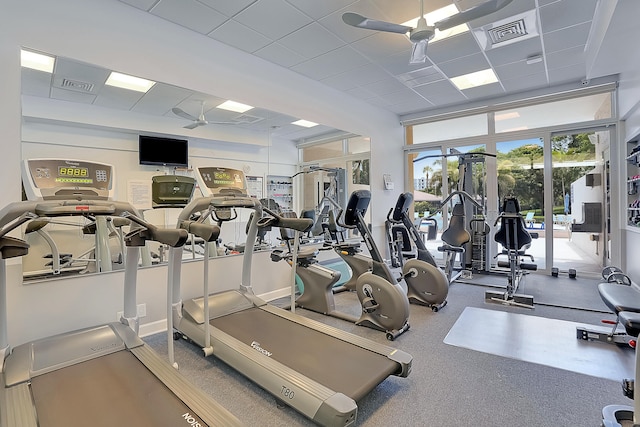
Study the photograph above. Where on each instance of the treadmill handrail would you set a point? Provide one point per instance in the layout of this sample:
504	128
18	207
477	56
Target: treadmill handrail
219	201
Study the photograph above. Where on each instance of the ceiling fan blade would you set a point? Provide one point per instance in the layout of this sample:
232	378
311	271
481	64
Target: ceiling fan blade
180	112
475	12
360	21
192	125
419	52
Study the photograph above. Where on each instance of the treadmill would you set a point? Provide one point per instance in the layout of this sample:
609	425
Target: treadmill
316	369
103	375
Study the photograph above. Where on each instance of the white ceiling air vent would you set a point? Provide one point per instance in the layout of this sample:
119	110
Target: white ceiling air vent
246	118
506	31
77	85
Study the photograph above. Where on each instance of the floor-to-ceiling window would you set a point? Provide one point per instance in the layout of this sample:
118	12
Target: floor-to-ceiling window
540	153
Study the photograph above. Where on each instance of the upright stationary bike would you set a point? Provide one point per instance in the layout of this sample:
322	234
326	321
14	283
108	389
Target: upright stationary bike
384	304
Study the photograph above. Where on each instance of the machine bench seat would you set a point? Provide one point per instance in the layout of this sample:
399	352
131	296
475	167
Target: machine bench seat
620	298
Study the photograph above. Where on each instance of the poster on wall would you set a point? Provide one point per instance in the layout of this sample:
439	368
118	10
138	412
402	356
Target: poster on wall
254	186
139	193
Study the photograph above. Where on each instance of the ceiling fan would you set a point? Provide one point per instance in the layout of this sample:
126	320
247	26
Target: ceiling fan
422	32
197	121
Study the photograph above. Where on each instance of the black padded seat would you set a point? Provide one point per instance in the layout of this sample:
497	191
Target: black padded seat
512	233
630	321
456	235
619	297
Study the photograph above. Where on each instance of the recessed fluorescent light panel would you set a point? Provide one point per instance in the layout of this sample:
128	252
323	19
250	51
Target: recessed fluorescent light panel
37	61
438	15
304	123
125	81
478	78
234	106
507	116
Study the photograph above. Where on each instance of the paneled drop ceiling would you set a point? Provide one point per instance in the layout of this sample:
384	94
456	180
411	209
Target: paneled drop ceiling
310	38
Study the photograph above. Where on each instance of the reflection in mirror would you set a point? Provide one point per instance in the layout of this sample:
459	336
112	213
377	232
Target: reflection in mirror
332	170
73	111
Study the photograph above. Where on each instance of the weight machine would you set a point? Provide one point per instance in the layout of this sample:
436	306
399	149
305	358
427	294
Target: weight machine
333	198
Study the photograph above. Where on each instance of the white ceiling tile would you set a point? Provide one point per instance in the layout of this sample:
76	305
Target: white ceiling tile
228	8
453	47
411	106
189	13
280	55
71	96
311	41
383	87
349	34
380	45
334	62
35	83
399	64
140	4
514	8
160	99
464	65
118	98
567	37
566	57
566	13
319	9
420	77
239	36
356	77
441	93
519	69
80	71
402	96
572	73
531	81
273	18
484	91
514	51
361	93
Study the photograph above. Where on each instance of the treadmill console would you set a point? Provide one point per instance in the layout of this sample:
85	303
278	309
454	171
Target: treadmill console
219	181
171	191
54	179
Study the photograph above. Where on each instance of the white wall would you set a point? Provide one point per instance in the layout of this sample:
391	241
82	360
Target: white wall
116	36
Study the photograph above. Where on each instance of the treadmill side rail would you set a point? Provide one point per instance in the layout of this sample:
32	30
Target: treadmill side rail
19	409
207	409
48	354
404	360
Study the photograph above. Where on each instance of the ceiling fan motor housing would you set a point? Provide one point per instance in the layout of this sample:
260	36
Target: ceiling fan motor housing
424	33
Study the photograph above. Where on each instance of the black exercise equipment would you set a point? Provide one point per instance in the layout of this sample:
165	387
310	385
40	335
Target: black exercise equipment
426	283
514	238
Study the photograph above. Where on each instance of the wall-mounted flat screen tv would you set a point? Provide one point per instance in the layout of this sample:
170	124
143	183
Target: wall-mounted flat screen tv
155	150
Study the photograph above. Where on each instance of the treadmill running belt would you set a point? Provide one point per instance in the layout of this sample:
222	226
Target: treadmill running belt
112	390
336	364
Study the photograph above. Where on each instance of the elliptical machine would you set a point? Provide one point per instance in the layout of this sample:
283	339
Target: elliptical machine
385	306
426	283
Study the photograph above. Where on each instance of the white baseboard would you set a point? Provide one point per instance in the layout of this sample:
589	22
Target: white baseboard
278	293
158	326
153	328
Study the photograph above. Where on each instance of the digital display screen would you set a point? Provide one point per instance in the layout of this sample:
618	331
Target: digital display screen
72	174
223	178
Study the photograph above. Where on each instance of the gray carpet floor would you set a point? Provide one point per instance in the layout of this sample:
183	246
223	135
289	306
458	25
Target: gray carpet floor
449	385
